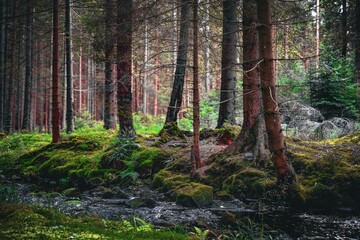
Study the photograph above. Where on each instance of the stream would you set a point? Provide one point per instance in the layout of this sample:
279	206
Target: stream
277	222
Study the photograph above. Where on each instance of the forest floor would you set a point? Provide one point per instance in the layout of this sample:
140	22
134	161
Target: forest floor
95	160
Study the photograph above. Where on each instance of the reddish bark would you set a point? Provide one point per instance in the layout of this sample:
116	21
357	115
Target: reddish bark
196	100
156	74
285	172
55	75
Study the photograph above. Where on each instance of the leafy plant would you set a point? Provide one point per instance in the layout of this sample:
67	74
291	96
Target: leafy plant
200	234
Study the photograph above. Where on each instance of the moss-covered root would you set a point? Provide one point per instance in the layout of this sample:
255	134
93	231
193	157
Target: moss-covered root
171	131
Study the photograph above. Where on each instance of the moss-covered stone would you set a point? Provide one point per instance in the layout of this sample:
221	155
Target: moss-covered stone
194	195
249	183
168	180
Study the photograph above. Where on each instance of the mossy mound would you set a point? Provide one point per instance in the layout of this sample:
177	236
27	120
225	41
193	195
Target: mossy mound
328	171
23	222
171	131
194	195
249	182
168	180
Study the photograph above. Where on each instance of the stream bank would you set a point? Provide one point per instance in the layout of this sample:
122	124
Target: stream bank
222	217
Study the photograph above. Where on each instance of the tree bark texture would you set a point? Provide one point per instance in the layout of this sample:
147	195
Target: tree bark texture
28	66
178	84
252	137
344	28
109	59
196	98
228	63
55	75
285	173
2	61
10	85
124	62
69	70
357	48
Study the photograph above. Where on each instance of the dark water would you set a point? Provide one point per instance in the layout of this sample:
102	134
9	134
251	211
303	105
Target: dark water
273	222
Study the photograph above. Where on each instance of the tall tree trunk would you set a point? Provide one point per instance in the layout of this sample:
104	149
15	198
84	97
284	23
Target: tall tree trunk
55	75
145	79
69	72
357	49
317	57
28	66
252	137
206	28
109	59
228	63
285	173
156	73
2	61
80	80
124	64
344	29
178	85
196	106
10	103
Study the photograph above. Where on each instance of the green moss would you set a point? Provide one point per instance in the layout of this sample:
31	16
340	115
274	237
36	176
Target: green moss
23	222
249	182
171	131
194	195
168	180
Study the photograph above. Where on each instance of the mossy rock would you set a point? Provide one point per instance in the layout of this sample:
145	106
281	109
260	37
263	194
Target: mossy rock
168	180
194	195
149	161
249	183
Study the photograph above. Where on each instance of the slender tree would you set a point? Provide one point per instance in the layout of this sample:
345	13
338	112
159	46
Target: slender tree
109	59
357	48
252	137
69	79
55	75
228	63
10	81
178	84
196	100
285	172
344	29
124	62
28	66
2	61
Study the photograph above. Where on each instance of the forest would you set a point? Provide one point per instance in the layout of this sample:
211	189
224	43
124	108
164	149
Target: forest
179	119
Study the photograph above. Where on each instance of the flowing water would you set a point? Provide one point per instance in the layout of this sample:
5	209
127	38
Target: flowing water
154	207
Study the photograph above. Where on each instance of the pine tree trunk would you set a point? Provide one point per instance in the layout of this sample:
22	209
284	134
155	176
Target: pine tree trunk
344	29
28	66
207	46
228	63
156	74
357	49
109	58
124	64
317	58
69	72
2	61
178	85
145	79
285	172
10	103
196	100
252	137
55	75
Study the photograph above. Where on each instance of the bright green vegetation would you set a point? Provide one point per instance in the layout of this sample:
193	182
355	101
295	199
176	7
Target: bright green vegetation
24	222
